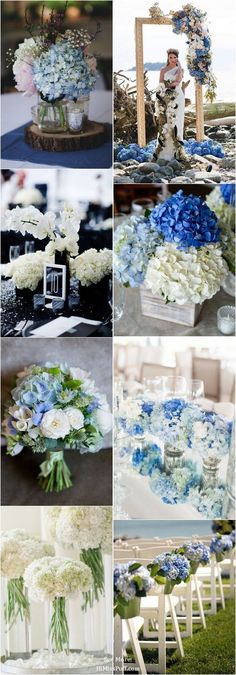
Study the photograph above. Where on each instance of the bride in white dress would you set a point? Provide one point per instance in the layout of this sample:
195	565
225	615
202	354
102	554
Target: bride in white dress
172	125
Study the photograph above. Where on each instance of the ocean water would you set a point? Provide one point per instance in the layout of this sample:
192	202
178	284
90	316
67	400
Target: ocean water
161	528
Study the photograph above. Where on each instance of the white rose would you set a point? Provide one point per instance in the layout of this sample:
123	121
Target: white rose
75	417
103	417
20	425
55	424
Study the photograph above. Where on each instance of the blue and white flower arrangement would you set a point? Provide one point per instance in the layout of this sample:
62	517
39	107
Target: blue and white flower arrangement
132	581
170	569
53	407
54	63
196	552
221	545
174	251
192	21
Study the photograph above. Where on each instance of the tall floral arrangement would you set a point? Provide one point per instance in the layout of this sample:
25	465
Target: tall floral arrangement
192	21
174	251
53	407
18	549
55	580
87	530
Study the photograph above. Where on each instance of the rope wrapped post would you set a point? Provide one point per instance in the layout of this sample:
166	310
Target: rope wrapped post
199	112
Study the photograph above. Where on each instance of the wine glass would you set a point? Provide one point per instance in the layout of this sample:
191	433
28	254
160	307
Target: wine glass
154	388
139	206
14	253
174	386
29	247
117	302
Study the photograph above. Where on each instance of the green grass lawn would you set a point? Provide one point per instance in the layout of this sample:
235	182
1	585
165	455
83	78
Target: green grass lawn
211	650
208	651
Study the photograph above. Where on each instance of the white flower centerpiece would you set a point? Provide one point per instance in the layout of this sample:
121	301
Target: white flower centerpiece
18	550
57	65
54	407
87	530
174	254
55	580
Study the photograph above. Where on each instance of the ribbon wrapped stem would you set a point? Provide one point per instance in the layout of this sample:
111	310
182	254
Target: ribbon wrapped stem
54	474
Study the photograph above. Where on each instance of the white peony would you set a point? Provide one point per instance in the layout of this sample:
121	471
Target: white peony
192	275
75	417
55	424
51	578
103	416
18	549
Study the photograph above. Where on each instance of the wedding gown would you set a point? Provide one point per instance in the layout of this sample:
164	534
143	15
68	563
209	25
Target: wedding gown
168	152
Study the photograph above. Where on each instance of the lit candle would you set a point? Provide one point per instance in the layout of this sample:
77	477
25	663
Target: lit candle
226	319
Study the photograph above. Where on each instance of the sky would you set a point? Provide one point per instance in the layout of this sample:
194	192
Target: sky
161	528
157	39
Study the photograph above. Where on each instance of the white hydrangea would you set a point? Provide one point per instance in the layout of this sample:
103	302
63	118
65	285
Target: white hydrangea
28	196
106	543
51	515
27	270
192	275
18	549
51	578
224	212
91	266
129	409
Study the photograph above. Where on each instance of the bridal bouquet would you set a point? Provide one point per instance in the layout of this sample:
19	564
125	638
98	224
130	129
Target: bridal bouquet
196	552
170	569
221	545
18	549
174	251
132	581
87	530
56	579
53	407
53	63
191	21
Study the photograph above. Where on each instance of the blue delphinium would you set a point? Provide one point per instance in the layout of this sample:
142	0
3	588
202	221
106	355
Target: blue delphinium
228	193
185	221
135	241
207	147
63	72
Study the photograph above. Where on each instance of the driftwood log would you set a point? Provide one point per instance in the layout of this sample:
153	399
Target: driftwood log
125	110
92	136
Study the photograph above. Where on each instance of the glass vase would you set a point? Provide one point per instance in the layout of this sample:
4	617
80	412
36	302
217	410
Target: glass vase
173	457
229	503
58	633
52	116
17	620
210	467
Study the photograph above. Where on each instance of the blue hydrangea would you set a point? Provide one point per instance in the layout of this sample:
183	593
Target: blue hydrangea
135	241
196	552
228	193
134	151
129	583
207	147
221	543
63	72
185	221
147	460
174	407
172	566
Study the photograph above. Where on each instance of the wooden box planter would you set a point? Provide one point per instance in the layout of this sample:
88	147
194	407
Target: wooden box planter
156	308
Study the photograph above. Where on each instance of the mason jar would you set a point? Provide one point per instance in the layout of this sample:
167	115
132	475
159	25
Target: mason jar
52	116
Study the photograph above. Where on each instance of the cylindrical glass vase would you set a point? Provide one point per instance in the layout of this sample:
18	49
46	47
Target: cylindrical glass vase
58	632
75	116
210	467
95	627
17	620
173	457
230	490
52	116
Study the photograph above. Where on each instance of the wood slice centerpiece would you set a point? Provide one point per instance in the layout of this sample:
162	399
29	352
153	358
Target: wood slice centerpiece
93	135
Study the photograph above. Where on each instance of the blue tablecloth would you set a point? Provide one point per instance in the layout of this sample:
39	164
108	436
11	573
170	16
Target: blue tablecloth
15	148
